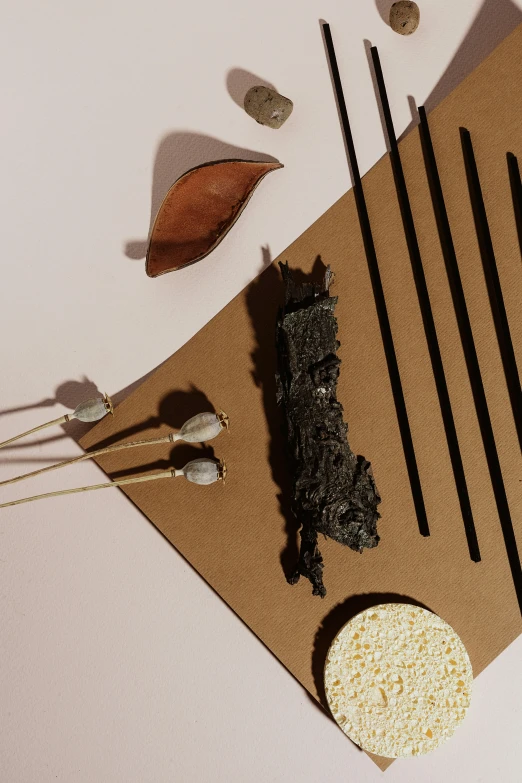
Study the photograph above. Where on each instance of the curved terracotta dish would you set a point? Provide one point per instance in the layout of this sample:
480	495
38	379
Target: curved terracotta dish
199	210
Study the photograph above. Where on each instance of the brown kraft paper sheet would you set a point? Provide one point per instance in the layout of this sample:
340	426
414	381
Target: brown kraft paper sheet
237	536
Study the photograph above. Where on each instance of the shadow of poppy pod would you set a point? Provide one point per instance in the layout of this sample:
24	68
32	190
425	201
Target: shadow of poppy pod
92	410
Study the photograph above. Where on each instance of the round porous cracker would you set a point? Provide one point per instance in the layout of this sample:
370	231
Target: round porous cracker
398	680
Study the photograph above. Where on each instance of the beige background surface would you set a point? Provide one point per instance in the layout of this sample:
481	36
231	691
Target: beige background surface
118	662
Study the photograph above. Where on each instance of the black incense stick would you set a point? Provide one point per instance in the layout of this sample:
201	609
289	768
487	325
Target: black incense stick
427	317
516	193
470	352
378	293
496	299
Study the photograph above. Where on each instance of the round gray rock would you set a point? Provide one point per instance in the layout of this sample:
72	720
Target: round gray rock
267	107
404	17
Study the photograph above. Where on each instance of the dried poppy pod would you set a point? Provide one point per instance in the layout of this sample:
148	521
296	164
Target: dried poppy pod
202	427
202	471
199	210
89	411
199	429
92	410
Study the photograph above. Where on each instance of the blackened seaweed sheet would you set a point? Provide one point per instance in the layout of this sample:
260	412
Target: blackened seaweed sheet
333	489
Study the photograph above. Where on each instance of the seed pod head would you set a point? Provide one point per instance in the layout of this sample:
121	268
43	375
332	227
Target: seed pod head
205	471
93	410
203	427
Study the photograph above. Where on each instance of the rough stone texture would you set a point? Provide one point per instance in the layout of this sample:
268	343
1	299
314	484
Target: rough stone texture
267	107
404	17
333	489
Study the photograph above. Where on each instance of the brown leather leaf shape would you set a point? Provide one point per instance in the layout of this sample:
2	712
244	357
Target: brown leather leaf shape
199	210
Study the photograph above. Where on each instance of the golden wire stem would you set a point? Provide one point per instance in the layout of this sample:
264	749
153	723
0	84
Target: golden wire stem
61	420
122	483
88	455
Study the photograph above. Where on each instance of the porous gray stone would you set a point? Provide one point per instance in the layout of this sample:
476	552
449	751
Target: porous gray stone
267	107
404	17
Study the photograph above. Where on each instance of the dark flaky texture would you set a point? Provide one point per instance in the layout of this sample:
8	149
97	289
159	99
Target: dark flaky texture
333	489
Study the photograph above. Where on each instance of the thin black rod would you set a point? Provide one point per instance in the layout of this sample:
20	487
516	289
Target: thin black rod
470	352
427	317
516	193
496	299
378	293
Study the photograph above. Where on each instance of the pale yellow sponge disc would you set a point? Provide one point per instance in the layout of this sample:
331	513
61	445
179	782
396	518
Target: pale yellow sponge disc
398	680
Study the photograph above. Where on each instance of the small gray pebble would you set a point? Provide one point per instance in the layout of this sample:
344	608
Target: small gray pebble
267	107
404	17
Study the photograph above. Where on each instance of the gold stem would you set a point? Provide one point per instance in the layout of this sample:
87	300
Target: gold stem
123	482
61	420
88	455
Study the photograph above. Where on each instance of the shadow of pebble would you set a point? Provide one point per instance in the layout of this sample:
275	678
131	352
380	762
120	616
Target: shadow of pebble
383	7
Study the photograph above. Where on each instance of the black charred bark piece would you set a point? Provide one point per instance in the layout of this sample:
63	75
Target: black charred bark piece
333	489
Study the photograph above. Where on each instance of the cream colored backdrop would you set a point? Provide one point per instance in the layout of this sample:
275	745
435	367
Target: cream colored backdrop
118	662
